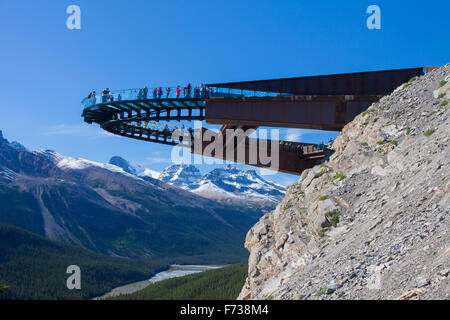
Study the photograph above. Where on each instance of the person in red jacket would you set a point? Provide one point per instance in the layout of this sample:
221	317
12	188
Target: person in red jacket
188	90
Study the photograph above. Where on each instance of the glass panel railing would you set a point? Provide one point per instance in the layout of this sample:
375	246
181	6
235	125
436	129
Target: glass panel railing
188	92
179	92
300	148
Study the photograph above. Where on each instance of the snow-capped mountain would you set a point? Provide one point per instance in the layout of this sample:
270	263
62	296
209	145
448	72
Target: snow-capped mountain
125	165
230	182
149	173
69	163
180	175
133	168
227	184
99	205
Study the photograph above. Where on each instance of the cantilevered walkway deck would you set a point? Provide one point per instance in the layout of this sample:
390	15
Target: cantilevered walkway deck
321	102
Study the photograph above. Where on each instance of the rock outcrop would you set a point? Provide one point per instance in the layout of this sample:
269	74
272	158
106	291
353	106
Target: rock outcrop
371	222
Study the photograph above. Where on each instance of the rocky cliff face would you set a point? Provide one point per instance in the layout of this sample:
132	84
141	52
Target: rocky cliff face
372	222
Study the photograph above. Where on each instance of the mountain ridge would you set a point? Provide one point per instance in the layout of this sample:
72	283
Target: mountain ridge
102	208
228	184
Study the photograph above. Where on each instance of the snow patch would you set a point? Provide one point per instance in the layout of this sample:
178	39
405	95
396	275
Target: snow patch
149	173
68	163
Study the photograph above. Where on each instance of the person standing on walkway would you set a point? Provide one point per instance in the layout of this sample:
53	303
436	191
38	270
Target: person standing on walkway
89	100
178	92
145	93
202	91
166	129
300	150
94	97
188	90
167	93
105	94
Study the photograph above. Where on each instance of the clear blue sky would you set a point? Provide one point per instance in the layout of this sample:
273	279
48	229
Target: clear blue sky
46	69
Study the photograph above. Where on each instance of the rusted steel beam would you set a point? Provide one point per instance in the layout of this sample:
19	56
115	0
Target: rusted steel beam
250	150
363	83
327	113
430	68
288	162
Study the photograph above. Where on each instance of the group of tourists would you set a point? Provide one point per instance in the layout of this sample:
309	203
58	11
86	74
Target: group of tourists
299	148
188	92
92	97
157	93
156	127
291	147
106	97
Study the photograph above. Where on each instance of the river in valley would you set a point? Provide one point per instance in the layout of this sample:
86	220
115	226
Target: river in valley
175	270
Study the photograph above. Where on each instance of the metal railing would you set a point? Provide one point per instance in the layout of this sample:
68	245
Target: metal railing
239	93
300	148
156	126
179	92
181	131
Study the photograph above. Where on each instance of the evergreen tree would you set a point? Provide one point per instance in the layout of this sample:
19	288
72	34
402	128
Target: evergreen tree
219	284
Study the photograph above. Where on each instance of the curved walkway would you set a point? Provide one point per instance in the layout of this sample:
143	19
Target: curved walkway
131	113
